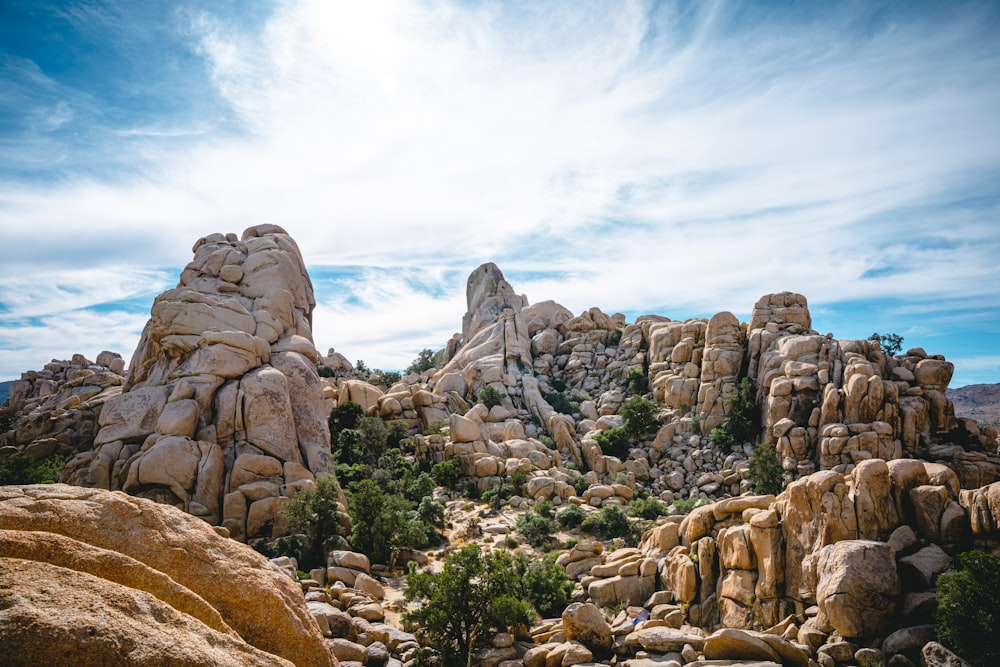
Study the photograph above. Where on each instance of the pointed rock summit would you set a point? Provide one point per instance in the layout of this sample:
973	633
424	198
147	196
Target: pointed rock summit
222	413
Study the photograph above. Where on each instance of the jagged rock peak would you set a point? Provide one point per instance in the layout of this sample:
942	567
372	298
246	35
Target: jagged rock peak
487	294
223	411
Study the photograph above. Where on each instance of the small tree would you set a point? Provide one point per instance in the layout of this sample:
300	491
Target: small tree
765	471
967	619
467	603
639	415
891	344
423	362
314	512
742	421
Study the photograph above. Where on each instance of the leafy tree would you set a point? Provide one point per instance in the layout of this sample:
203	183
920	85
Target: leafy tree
314	512
765	471
344	415
423	362
349	448
446	473
382	522
742	421
543	583
467	603
637	381
489	396
639	415
891	344
361	367
967	619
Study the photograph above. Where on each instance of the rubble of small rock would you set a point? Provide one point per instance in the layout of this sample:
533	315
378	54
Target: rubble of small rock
222	414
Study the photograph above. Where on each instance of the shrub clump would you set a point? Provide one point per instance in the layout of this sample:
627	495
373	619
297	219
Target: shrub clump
571	516
489	396
609	523
967	619
742	421
765	471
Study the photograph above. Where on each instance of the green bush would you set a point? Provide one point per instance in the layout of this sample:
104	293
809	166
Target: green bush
313	512
547	441
742	421
610	523
343	416
544	584
637	381
765	471
470	600
22	469
536	528
614	442
324	371
647	508
423	362
579	484
639	415
570	517
490	396
967	619
614	337
561	403
447	473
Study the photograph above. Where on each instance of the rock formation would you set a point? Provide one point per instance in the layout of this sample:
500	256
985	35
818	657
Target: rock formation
124	580
222	413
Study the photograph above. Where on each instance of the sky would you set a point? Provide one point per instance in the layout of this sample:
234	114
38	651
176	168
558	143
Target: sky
676	158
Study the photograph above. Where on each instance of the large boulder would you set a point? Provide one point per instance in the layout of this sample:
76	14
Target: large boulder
126	554
856	586
225	369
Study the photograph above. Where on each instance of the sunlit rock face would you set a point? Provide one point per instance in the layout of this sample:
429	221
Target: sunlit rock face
222	411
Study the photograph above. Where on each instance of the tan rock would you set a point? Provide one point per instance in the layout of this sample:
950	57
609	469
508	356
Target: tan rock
735	644
857	584
54	615
585	623
267	609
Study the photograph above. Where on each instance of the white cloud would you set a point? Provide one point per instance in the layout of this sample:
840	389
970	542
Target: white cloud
692	160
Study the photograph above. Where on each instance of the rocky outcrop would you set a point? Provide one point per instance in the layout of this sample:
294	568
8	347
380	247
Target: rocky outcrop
130	576
222	413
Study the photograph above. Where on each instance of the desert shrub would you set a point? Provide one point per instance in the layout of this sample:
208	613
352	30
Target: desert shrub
489	396
470	600
511	486
765	471
570	517
446	473
313	511
544	584
388	378
742	421
7	420
343	416
639	415
610	523
967	619
547	441
324	371
536	528
614	441
22	469
647	508
423	362
579	484
614	337
636	379
561	403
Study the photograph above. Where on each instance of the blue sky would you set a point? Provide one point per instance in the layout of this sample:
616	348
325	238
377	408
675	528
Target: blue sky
679	158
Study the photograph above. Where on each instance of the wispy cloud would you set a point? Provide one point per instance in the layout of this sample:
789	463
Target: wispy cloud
671	157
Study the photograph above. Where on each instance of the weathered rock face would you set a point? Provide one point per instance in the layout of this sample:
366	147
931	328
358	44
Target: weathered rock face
222	413
133	579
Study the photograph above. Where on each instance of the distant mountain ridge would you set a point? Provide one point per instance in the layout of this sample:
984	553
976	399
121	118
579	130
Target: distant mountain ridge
978	401
5	390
